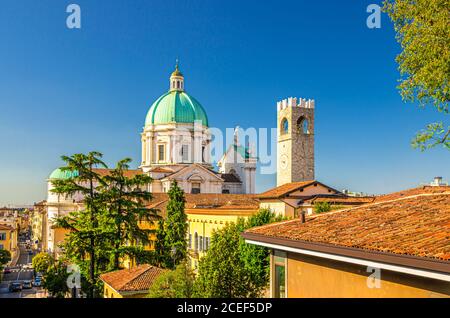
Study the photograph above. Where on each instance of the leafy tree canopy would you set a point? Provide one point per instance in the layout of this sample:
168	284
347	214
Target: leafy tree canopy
231	267
5	257
172	232
178	283
42	262
423	31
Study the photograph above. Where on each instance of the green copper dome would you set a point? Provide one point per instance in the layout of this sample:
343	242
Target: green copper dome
176	106
63	175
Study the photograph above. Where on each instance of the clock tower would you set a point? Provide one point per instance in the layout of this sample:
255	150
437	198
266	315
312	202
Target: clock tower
295	146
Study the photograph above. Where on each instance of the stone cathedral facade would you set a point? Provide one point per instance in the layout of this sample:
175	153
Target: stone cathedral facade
176	146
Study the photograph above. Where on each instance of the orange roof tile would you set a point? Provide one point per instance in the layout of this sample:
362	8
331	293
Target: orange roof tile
284	189
208	201
341	199
417	225
6	227
161	170
410	192
137	279
127	173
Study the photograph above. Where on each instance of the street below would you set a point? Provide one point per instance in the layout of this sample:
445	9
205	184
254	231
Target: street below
20	272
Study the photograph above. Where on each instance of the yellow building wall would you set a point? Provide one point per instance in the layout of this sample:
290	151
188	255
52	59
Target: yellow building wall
278	207
59	237
36	226
109	292
309	277
8	242
205	222
149	225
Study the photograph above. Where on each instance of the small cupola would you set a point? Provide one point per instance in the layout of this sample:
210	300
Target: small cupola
177	80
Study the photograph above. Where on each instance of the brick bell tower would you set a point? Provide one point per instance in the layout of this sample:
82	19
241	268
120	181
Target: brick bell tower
295	146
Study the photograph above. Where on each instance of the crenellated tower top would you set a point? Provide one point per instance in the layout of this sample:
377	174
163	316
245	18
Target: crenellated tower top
295	102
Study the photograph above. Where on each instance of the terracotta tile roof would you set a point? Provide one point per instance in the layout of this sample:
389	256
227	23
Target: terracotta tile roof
288	188
137	279
127	173
223	201
161	170
410	192
417	225
6	227
159	203
208	200
344	200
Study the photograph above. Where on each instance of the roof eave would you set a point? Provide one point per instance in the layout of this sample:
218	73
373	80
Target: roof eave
410	261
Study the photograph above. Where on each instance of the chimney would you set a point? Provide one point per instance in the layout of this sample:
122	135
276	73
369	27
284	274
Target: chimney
302	217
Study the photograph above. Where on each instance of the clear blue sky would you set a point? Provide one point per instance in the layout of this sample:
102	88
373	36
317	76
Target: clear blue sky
65	91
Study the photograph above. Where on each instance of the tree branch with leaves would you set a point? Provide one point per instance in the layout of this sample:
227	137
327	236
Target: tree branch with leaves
423	31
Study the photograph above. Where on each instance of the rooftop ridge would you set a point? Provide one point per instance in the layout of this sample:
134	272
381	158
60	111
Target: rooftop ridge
380	202
349	209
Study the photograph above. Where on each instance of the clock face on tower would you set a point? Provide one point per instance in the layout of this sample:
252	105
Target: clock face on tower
284	162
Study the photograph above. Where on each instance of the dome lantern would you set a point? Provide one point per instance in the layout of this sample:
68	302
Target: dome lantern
176	106
177	80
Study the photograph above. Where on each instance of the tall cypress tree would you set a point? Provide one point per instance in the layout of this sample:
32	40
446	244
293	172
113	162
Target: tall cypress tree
175	227
85	237
124	198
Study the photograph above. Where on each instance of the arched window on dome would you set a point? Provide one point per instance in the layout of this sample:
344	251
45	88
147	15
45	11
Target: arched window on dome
284	126
178	85
303	125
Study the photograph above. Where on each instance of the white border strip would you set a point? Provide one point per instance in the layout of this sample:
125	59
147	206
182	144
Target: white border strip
395	268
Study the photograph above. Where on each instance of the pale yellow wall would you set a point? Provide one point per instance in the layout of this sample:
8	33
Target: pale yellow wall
149	225
206	222
311	277
10	243
279	207
59	235
37	220
109	292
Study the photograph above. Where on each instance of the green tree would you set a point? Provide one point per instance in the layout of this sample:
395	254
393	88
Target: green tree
221	272
55	280
5	257
42	263
232	268
322	207
162	256
108	227
174	247
257	258
423	31
85	237
178	283
125	200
